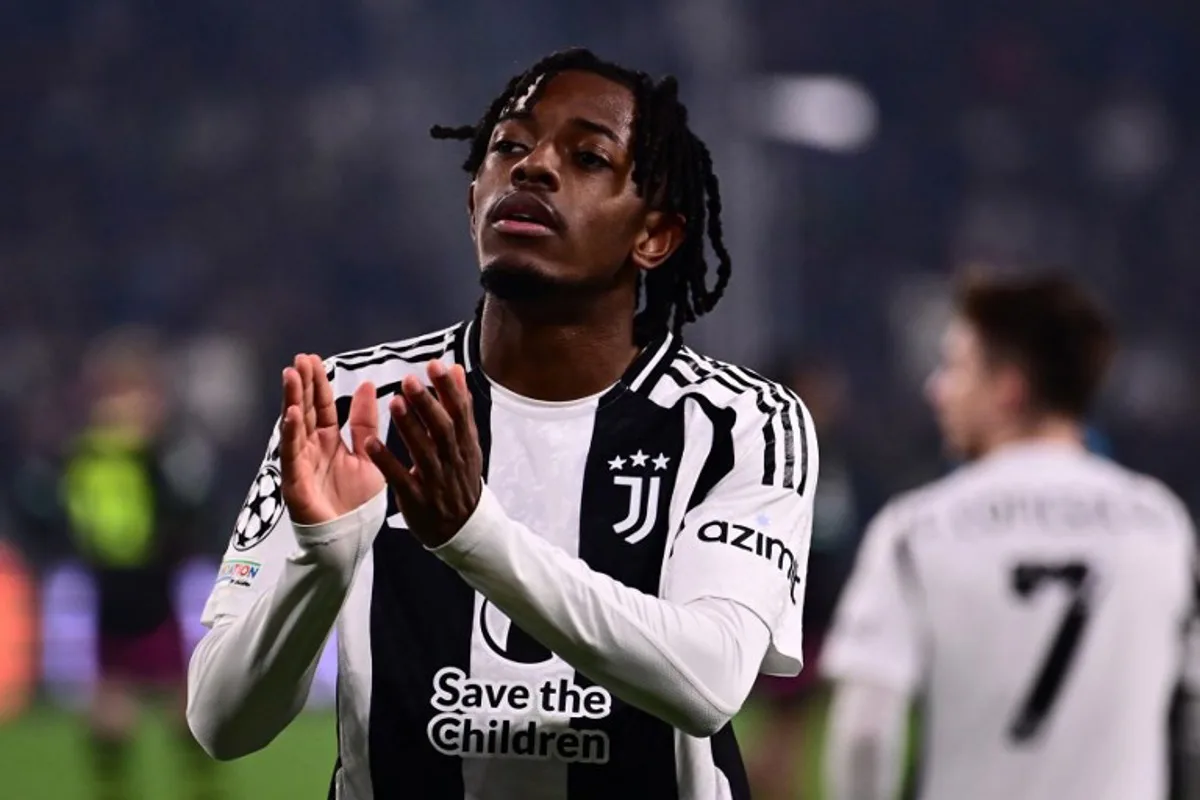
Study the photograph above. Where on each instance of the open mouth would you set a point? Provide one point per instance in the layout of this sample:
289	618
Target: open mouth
523	213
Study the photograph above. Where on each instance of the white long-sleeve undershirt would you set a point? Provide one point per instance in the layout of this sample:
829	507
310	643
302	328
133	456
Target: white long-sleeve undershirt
692	665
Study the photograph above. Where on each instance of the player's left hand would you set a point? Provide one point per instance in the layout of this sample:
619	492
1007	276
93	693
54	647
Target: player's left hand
440	491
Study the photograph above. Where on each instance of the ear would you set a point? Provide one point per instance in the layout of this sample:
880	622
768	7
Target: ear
471	207
1011	387
658	239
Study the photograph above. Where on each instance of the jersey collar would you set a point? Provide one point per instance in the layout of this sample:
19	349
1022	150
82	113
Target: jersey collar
639	378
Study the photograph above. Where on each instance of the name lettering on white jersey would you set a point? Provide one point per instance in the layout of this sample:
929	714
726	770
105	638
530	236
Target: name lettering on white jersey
1037	599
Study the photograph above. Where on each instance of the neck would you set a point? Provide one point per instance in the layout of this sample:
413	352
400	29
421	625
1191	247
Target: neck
1043	430
551	359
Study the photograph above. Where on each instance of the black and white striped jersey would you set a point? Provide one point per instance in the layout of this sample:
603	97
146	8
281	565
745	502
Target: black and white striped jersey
687	479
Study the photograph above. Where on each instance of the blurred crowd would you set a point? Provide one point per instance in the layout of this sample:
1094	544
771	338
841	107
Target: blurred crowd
248	181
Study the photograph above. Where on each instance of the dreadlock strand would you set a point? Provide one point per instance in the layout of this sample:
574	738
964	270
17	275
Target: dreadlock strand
712	190
462	133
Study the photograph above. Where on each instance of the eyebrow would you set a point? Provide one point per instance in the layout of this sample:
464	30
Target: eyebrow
581	122
596	127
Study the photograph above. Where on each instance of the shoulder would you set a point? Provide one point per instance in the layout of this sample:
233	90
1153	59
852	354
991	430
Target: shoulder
771	428
388	363
1153	497
752	396
909	513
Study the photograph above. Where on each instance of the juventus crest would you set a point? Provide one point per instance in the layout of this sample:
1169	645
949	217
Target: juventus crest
637	474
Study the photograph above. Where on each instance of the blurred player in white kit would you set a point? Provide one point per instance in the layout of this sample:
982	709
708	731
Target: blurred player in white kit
1038	600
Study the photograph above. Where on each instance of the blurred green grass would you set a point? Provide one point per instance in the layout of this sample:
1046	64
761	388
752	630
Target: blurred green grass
43	757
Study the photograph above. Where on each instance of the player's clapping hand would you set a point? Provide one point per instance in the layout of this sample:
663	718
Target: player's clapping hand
322	477
441	490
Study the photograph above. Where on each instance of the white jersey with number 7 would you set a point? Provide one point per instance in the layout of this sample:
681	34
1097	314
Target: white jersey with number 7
1038	602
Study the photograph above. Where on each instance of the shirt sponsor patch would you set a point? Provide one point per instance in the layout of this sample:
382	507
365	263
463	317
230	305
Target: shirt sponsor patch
238	572
757	544
517	719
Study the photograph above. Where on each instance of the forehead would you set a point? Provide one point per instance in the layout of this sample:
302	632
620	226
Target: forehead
581	95
961	340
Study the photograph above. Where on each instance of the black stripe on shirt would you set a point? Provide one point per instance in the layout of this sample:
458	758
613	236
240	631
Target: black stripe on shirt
337	764
720	460
474	359
642	747
421	620
791	403
641	375
777	404
401	348
727	757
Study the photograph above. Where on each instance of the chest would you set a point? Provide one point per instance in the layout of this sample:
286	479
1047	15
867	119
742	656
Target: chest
602	486
608	486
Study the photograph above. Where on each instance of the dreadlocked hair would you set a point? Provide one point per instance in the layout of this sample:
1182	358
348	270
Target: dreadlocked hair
672	169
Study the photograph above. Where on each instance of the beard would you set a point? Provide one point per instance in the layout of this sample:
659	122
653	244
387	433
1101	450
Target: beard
523	282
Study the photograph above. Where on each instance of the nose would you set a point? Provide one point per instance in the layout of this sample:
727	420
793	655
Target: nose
538	169
931	388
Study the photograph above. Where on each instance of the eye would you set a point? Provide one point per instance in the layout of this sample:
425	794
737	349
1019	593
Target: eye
507	146
589	160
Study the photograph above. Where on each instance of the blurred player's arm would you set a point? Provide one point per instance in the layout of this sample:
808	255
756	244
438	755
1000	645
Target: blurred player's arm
1185	745
865	744
276	600
874	656
691	657
1185	722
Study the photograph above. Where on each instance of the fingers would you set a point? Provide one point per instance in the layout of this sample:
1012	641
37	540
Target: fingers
455	402
398	476
303	366
291	427
364	417
434	416
455	397
417	439
293	392
323	405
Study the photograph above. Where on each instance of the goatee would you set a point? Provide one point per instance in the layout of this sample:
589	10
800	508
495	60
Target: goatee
523	283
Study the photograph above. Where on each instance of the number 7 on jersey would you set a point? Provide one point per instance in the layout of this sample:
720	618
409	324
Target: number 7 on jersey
1028	578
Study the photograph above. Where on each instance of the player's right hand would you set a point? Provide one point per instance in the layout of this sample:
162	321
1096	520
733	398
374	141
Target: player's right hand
322	477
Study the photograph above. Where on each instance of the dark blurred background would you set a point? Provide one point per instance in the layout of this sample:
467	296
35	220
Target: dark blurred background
242	181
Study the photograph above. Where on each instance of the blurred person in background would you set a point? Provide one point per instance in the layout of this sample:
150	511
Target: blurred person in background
792	708
131	507
1037	598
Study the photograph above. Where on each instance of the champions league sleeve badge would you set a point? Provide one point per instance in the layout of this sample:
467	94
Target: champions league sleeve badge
262	510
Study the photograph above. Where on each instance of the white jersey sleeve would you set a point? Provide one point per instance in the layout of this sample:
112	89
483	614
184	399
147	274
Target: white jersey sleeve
275	602
748	539
691	665
262	539
877	632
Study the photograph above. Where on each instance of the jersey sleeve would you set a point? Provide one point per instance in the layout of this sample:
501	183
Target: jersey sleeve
876	636
261	542
748	540
1190	668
